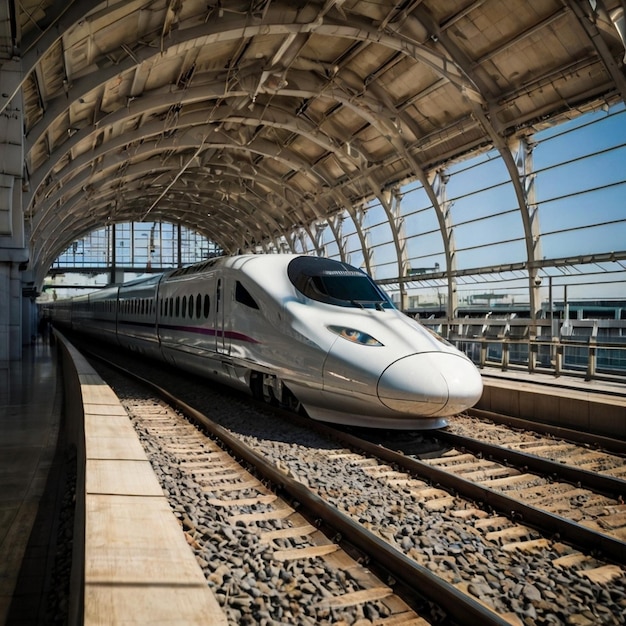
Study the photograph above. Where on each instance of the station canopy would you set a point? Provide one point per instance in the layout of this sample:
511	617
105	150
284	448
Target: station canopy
255	120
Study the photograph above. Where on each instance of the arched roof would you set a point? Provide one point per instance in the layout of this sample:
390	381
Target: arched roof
247	119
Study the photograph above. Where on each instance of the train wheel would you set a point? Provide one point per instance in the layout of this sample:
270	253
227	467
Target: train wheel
262	386
290	402
272	390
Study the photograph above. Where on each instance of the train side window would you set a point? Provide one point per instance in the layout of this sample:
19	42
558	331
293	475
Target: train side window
177	306
207	306
184	307
198	305
171	307
243	296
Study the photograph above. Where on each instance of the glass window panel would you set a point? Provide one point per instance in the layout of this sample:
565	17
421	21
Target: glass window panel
475	174
588	134
491	254
424	245
486	203
589	240
568	179
587	209
422	222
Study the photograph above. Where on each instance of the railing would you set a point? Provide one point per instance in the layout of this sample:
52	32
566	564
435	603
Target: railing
593	349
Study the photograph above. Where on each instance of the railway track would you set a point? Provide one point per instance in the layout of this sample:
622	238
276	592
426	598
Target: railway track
565	488
522	574
289	569
278	565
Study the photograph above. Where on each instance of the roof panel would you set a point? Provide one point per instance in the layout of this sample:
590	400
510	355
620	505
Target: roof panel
323	100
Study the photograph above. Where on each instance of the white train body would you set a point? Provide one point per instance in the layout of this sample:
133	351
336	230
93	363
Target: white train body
287	327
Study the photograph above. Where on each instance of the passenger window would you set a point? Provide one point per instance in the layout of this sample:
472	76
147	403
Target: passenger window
243	296
198	305
207	306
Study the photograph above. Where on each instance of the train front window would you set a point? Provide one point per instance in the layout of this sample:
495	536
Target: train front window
336	283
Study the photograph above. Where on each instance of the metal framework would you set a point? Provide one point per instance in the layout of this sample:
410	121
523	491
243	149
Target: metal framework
268	125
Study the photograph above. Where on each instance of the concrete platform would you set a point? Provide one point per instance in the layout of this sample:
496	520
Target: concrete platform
594	406
30	415
130	562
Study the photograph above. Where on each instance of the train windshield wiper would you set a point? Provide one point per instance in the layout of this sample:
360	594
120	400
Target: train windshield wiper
361	304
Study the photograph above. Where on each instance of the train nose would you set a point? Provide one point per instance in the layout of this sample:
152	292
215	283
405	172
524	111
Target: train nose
433	383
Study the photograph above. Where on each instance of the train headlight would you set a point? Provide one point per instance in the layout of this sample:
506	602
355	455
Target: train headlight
355	336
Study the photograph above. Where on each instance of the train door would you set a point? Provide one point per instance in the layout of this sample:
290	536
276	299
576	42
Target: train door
222	337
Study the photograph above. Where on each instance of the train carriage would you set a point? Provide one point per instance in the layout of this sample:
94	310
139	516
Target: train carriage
303	331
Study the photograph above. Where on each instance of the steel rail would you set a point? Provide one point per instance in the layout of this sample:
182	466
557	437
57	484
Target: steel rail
609	444
561	528
607	485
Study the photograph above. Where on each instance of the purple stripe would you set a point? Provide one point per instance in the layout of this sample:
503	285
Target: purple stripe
197	330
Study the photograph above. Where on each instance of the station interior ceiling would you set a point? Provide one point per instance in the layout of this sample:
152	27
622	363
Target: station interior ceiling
252	121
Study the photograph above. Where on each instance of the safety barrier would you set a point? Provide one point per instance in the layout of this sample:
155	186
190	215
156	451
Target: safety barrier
593	349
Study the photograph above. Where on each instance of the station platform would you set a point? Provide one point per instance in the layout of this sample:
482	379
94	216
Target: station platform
593	406
30	418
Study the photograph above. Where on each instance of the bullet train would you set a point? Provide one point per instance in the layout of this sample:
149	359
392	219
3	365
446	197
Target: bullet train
303	331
